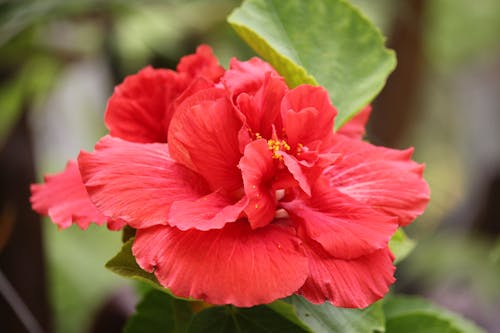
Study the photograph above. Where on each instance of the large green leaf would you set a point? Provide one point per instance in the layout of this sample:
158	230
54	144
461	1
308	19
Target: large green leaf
159	312
326	318
416	315
326	42
259	319
401	245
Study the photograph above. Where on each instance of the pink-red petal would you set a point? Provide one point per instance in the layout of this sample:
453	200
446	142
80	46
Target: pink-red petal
348	283
212	211
356	127
307	115
297	172
202	63
116	224
203	136
64	198
345	228
246	76
258	169
262	110
135	182
234	265
141	107
385	179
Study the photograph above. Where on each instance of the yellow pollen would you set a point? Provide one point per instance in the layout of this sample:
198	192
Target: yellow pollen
258	136
299	148
277	145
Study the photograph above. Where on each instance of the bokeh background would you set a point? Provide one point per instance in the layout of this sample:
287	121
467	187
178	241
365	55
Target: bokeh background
59	62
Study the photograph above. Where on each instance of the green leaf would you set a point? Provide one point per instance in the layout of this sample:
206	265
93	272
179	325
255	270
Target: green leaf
159	312
288	311
326	42
416	315
124	264
258	319
330	319
127	233
401	245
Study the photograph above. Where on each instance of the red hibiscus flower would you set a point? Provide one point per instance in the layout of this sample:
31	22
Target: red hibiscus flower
254	197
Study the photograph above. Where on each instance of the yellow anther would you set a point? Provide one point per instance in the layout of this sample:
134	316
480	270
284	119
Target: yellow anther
258	136
276	145
299	148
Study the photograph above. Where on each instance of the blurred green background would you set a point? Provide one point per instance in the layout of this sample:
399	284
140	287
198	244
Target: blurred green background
59	63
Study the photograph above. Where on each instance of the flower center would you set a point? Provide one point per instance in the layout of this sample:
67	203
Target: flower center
276	145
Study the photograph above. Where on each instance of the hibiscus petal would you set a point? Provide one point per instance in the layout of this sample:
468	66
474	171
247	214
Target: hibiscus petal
139	109
348	283
116	224
386	179
64	198
202	63
258	169
344	227
297	172
198	84
234	265
356	127
203	136
261	111
136	182
212	211
246	76
304	108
